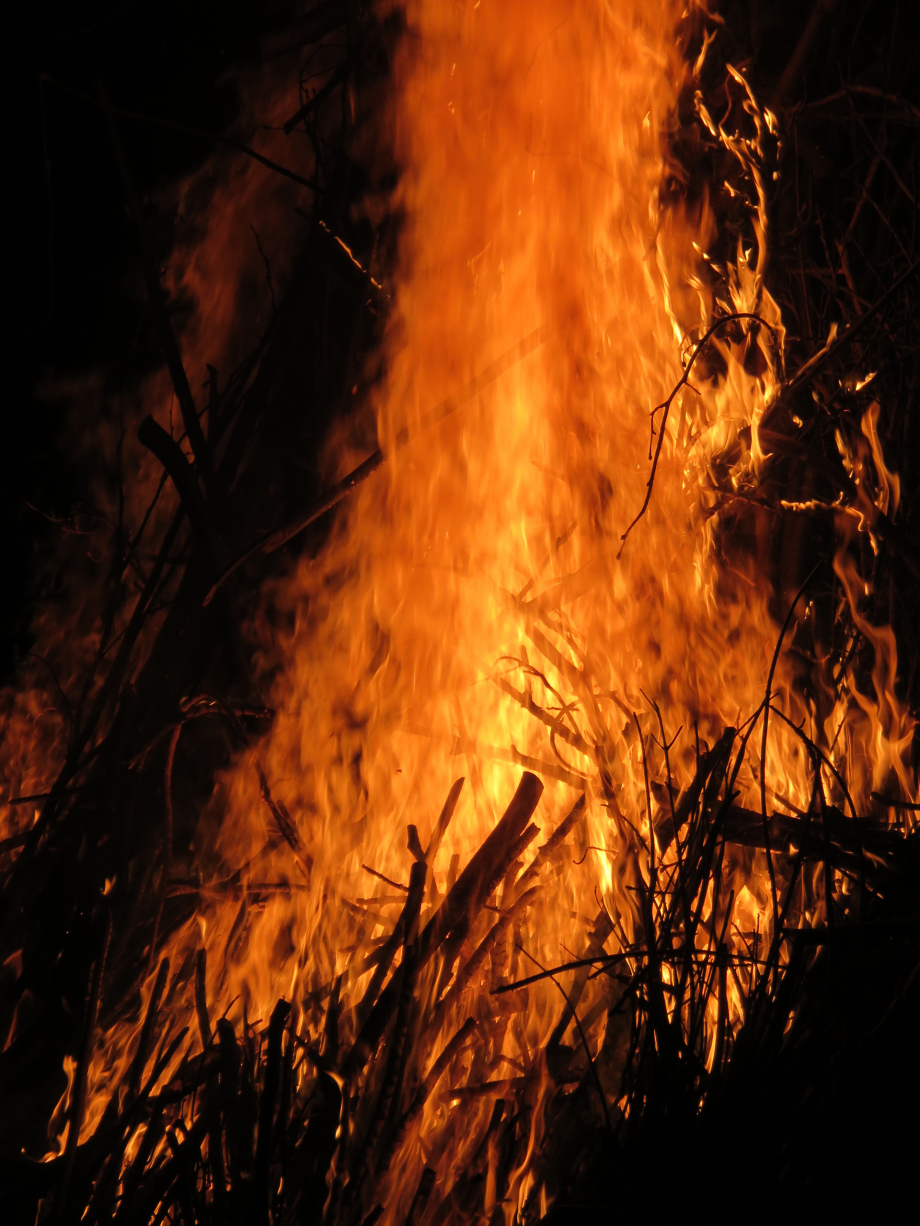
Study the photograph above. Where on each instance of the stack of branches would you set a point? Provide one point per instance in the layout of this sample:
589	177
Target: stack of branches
663	1033
97	857
844	269
291	1123
819	1031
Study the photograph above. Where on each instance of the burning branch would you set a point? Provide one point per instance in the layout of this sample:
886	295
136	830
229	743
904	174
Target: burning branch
666	405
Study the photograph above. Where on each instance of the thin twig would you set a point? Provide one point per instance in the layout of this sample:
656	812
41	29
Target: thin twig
186	130
666	405
584	1040
763	743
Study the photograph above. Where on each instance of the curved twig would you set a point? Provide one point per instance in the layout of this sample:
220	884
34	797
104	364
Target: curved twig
666	405
763	743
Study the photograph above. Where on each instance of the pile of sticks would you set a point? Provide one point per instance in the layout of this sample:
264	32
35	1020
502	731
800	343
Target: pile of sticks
289	1124
313	1117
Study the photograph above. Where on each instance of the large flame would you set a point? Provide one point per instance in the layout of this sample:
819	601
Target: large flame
476	609
480	574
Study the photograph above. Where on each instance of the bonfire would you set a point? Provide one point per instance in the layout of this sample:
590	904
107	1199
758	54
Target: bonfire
477	755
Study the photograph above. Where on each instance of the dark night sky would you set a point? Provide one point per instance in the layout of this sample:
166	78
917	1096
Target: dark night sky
162	57
67	244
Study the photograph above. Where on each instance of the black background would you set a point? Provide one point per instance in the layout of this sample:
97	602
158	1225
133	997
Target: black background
68	246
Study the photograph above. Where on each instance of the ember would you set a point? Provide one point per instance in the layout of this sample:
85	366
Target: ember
526	722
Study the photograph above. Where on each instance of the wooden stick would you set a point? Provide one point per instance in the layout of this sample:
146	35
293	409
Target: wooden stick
794	72
422	1194
425	1090
464	899
158	302
487	866
479	955
396	1059
763	743
285	825
338	76
555	840
152	435
443	822
140	1056
259	1214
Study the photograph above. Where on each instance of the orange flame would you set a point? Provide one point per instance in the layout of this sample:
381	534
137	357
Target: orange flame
473	611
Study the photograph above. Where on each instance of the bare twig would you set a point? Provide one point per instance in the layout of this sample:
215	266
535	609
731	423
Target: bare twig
584	1040
763	743
211	138
285	825
158	304
666	406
